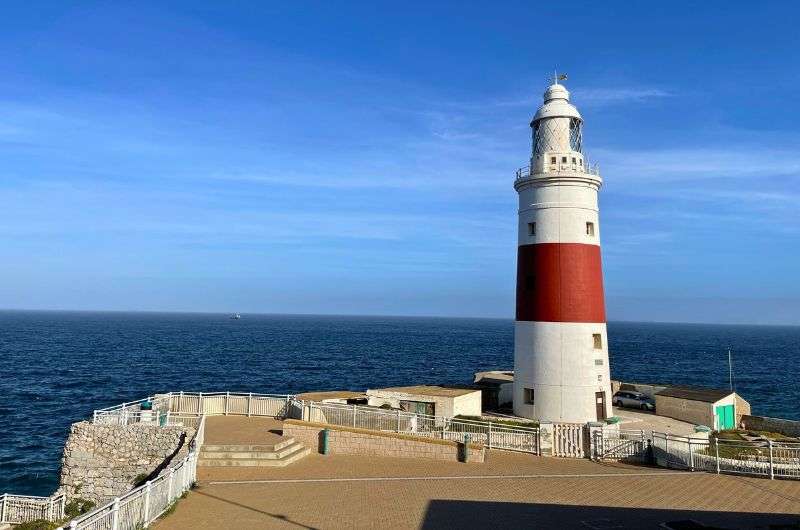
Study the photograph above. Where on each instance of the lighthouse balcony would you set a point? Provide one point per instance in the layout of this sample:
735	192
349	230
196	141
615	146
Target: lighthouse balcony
558	170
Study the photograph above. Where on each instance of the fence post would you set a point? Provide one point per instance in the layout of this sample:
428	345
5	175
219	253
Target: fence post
249	399
666	448
171	480
716	452
691	455
147	503
200	407
771	462
489	436
63	505
3	508
398	421
227	398
115	514
73	524
180	402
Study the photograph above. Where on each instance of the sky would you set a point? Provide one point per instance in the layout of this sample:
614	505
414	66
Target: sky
358	158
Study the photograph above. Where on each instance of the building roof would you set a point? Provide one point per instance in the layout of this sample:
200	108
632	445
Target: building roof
428	390
330	394
708	395
494	377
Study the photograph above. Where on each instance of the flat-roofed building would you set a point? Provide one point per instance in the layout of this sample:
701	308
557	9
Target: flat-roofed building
427	399
718	409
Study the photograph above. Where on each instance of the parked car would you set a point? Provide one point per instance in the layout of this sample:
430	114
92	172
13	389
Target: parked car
634	400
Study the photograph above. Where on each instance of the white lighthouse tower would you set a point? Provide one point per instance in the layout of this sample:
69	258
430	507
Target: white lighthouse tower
561	368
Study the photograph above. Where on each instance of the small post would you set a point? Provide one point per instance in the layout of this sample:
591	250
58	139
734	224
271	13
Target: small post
325	435
227	398
3	508
63	505
466	446
691	456
771	462
398	421
167	424
171	480
716	452
249	400
489	437
147	503
115	515
355	411
666	448
200	408
180	402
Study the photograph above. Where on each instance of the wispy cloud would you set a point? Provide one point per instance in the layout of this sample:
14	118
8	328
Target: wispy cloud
612	96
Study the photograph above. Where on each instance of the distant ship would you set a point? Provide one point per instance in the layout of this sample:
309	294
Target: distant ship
236	316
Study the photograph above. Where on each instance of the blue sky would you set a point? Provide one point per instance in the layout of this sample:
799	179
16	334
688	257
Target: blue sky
359	158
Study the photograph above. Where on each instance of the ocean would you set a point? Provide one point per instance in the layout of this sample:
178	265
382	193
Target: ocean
57	367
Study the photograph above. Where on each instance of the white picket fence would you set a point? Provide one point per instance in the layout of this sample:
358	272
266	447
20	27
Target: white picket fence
15	509
759	458
492	434
141	506
568	440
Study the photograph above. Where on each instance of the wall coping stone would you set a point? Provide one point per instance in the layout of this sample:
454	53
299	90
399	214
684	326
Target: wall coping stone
369	432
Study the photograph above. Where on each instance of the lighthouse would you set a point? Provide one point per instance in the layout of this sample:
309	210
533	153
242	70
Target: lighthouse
561	370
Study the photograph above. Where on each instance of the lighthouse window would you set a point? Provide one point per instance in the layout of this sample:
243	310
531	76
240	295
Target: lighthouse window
598	341
574	161
598	362
531	229
529	396
590	229
563	160
575	135
552	160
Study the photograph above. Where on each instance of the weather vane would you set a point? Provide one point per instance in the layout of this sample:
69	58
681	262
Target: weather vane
558	77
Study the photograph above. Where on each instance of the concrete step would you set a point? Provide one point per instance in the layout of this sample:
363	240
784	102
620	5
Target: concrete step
282	458
248	447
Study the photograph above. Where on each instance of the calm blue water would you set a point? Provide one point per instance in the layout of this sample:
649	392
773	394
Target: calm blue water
56	367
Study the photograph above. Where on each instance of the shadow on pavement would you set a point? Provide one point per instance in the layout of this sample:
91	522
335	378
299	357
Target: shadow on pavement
448	514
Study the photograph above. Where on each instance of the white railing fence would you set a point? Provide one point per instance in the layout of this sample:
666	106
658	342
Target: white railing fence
621	445
15	509
492	434
765	458
141	506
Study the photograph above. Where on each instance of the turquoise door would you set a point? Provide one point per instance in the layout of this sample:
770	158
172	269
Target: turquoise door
725	417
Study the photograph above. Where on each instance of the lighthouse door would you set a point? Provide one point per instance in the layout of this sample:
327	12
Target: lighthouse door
600	399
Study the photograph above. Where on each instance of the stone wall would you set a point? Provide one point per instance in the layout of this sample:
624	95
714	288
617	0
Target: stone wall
101	462
347	441
764	423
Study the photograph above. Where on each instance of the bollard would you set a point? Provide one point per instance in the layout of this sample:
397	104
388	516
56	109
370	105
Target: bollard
325	434
466	447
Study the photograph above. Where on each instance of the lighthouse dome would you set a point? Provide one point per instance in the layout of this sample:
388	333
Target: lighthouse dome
556	104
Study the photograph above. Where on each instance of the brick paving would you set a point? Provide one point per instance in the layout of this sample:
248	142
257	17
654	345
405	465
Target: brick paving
508	490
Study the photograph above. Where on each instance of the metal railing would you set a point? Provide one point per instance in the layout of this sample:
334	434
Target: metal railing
622	446
590	169
15	509
492	434
195	403
766	458
141	506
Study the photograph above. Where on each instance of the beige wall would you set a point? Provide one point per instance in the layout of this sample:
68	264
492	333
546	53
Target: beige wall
697	412
763	423
346	441
468	404
742	409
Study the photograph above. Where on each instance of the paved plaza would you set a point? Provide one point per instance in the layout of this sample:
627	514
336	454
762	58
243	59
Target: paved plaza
510	490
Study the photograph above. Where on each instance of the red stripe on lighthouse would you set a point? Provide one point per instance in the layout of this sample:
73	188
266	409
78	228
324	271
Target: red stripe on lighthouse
560	282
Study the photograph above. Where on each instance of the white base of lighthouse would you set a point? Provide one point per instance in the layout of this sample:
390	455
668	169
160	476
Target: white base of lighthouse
568	374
